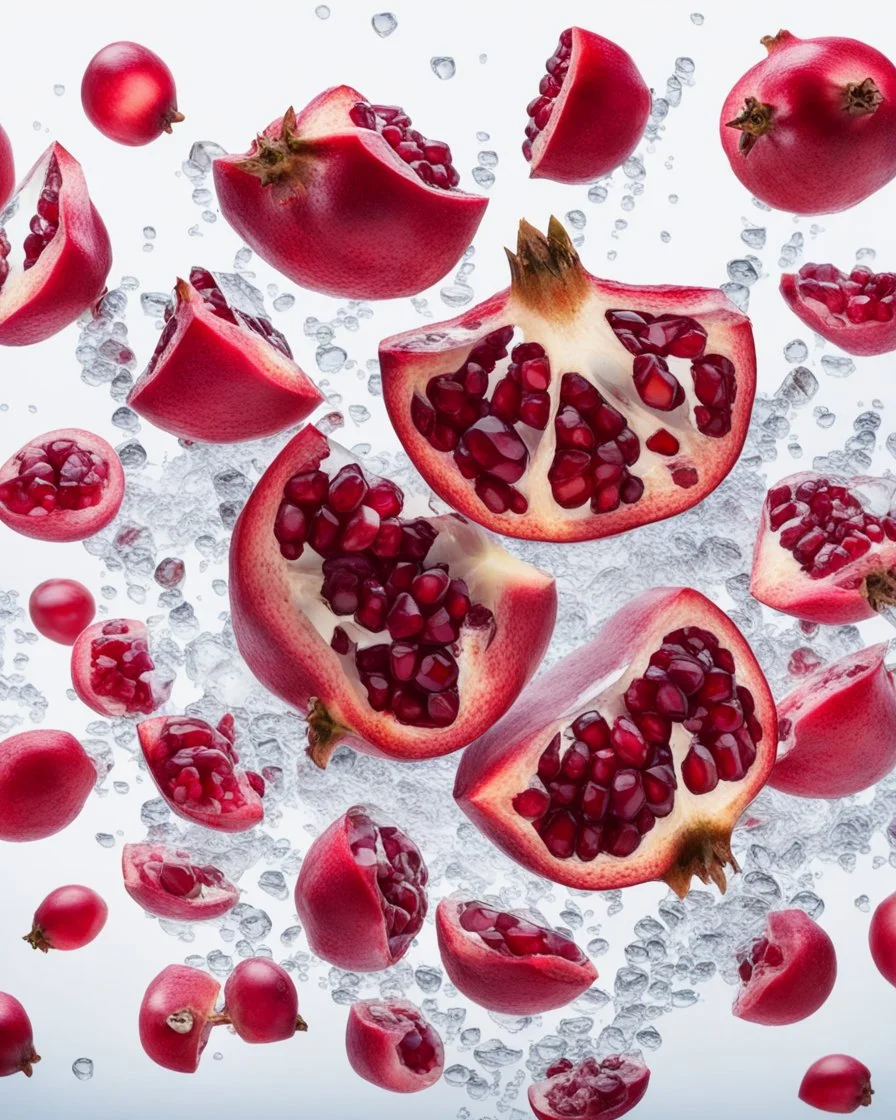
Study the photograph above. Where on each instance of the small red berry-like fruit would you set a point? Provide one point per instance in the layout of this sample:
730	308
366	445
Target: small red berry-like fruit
177	1016
128	94
262	1002
60	609
68	918
837	1083
17	1053
882	938
45	778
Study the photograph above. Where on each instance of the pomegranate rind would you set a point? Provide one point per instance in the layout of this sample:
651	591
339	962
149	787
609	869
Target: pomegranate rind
17	1053
219	382
45	779
633	1072
128	94
178	990
81	661
510	985
695	839
837	1083
7	168
372	1049
882	939
213	902
354	220
861	339
262	1002
71	272
288	655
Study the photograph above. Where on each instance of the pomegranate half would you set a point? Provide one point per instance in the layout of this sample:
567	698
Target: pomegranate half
620	405
346	198
177	1016
113	672
633	758
390	1044
593	1090
401	637
853	310
168	884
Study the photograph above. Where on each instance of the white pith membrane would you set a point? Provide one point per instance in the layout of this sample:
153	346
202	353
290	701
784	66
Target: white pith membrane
20	220
418	1045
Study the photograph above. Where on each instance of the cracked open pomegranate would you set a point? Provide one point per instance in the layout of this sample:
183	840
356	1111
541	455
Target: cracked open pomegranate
347	198
837	1083
619	405
17	1053
7	168
169	883
593	1090
177	1016
826	548
113	671
55	253
632	758
400	636
221	371
390	1044
853	310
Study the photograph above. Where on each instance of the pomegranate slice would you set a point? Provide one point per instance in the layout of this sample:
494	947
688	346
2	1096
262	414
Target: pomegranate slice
853	310
402	637
593	1090
65	485
168	884
7	168
826	548
177	1016
221	371
195	767
506	962
368	872
113	671
55	253
590	112
347	198
390	1044
539	450
632	758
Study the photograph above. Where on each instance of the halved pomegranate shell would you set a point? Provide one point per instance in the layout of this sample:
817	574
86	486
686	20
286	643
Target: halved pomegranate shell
177	1016
632	758
390	1044
221	371
853	310
506	962
7	168
167	883
113	671
65	485
401	637
60	265
346	198
593	1090
621	405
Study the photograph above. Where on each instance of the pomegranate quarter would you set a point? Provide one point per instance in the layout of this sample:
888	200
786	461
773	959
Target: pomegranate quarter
854	310
168	883
634	757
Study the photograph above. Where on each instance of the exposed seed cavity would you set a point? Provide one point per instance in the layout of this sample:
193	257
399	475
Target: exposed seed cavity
430	160
56	475
540	108
512	935
122	669
42	227
860	296
420	1047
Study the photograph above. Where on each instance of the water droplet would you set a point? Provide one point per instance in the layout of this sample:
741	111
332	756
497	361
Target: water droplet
484	177
82	1068
443	67
322	11
482	137
284	302
384	23
59	90
796	351
598	193
456	295
697	19
576	219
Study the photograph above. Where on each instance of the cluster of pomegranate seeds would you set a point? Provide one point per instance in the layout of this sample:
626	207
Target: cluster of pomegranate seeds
825	525
588	1089
57	475
180	878
195	762
862	296
401	875
608	787
513	936
430	160
761	952
420	1048
540	108
207	286
43	225
121	668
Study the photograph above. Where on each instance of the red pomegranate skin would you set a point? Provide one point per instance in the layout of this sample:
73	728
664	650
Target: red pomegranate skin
17	1053
208	901
45	779
374	1036
561	1092
837	1083
882	938
7	168
60	609
863	338
175	1014
128	94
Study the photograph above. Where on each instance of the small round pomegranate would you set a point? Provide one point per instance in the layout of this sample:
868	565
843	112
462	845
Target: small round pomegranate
837	1083
598	1090
45	778
262	1002
391	1045
853	310
68	918
169	883
787	973
60	609
113	672
882	938
17	1053
128	94
7	168
177	1016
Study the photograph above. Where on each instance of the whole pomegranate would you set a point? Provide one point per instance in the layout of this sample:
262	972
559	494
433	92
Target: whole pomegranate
68	918
128	94
390	1044
854	310
60	609
882	938
177	1016
45	779
17	1053
262	1002
812	128
837	1083
7	168
595	1089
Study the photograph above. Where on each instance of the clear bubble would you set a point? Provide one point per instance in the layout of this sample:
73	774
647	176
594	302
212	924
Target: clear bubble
443	67
82	1068
384	23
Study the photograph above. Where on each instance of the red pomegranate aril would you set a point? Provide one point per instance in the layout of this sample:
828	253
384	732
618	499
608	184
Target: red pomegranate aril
532	803
662	443
347	489
361	530
656	386
437	672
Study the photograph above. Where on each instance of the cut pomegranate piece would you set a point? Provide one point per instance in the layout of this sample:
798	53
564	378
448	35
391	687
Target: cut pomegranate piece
632	758
837	1083
593	1090
177	1016
649	420
826	548
367	872
853	310
347	198
65	485
194	766
55	253
168	883
390	1044
402	637
221	371
7	168
506	962
590	112
113	671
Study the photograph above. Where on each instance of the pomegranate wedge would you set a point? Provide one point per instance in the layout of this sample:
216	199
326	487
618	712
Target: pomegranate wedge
593	1090
633	758
854	310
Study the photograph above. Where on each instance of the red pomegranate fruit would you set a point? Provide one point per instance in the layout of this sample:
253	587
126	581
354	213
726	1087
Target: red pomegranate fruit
60	609
882	938
620	405
128	94
221	371
7	168
812	128
177	1016
195	768
68	918
788	973
55	252
853	310
590	112
391	1045
361	892
837	1083
593	1090
65	485
837	728
167	883
826	547
113	671
262	1002
403	637
45	779
508	963
347	198
633	757
17	1053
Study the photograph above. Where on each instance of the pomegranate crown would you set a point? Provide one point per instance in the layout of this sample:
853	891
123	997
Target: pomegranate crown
545	270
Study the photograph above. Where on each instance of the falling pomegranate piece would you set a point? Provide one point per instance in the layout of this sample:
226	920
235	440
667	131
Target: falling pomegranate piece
882	938
128	94
853	310
113	671
177	1016
17	1053
169	883
593	1090
68	918
262	1002
55	253
633	758
60	609
7	168
347	198
221	371
648	421
45	779
837	1083
390	1044
590	112
399	636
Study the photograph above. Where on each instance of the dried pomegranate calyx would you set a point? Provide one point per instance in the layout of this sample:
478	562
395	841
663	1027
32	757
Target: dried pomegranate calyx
545	270
284	157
